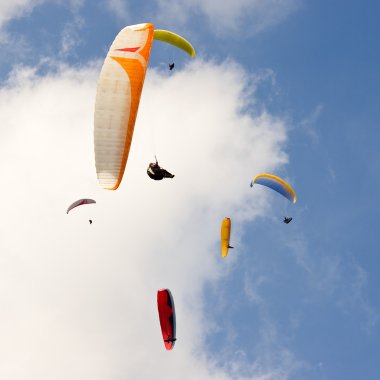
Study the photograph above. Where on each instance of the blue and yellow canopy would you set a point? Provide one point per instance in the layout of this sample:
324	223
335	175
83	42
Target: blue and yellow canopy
277	184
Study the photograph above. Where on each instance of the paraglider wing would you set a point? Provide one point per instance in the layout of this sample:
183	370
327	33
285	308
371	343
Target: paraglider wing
225	232
118	97
276	184
175	40
166	313
80	202
117	100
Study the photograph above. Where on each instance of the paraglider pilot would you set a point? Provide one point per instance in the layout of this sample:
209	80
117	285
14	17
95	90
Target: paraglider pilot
157	173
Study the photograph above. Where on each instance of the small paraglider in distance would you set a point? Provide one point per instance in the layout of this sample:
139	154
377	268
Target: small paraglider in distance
90	221
166	313
171	66
157	173
277	184
80	202
225	233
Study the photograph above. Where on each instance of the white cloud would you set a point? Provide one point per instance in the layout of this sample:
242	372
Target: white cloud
16	8
344	281
357	299
70	36
308	124
252	286
118	7
79	300
243	16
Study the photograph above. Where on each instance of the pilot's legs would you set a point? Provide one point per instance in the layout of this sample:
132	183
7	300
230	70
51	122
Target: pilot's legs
167	174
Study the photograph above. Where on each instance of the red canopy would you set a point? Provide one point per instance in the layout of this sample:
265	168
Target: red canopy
166	313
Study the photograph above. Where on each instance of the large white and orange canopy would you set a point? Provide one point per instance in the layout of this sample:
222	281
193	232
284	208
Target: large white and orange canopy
118	96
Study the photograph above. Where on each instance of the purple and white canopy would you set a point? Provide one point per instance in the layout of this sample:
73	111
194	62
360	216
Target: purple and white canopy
80	202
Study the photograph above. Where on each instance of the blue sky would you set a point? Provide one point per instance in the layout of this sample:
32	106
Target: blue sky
286	86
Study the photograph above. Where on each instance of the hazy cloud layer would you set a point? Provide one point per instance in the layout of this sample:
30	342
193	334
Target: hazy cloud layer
243	16
16	8
79	300
12	9
118	7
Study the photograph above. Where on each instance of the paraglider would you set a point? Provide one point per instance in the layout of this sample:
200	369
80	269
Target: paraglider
166	314
118	96
277	184
175	40
80	202
171	66
225	232
157	173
